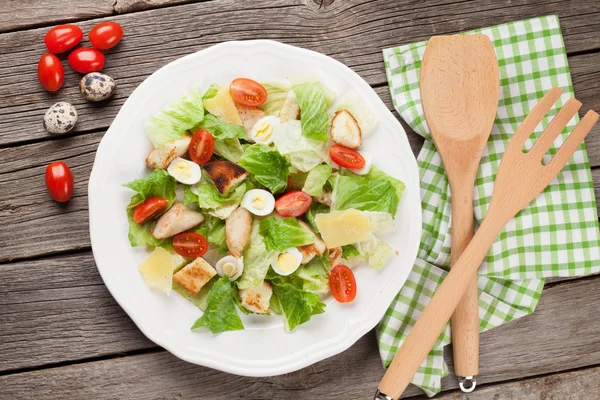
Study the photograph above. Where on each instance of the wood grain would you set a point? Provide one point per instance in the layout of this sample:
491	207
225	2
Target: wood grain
60	311
144	50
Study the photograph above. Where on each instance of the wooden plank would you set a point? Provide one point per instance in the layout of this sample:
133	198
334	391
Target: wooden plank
144	49
68	314
575	385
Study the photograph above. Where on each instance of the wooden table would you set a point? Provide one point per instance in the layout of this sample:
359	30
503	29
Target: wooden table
61	333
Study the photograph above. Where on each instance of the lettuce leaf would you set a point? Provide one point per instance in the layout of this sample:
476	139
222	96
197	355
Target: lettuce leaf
315	208
268	167
229	149
283	233
213	230
375	174
221	130
221	313
316	178
211	92
296	306
199	299
349	251
257	259
179	116
364	194
302	152
276	95
312	276
313	110
375	251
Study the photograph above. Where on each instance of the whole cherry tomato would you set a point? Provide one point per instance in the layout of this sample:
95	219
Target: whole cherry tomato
248	92
293	204
190	245
202	147
342	283
149	209
106	35
50	72
62	38
59	181
85	60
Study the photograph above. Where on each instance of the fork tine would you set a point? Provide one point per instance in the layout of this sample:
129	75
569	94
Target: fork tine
572	143
533	119
557	124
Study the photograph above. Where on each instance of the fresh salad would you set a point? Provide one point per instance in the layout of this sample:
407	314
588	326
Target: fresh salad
259	201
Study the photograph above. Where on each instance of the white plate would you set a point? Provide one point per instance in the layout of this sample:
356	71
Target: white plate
263	349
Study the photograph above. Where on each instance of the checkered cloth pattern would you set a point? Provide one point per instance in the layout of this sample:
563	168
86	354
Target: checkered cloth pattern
556	235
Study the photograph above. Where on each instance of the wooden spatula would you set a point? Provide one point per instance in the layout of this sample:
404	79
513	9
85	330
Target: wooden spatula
521	177
459	92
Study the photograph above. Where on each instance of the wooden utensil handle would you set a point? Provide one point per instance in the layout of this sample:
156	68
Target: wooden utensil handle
465	320
430	324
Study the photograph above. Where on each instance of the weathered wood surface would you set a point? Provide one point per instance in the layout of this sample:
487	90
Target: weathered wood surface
340	31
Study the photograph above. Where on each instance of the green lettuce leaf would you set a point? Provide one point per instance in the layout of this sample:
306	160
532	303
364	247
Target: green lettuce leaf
349	251
315	208
313	110
313	276
211	92
267	166
375	251
179	116
303	153
375	174
221	130
296	306
229	149
199	299
257	259
364	194
276	95
316	178
221	313
213	230
283	233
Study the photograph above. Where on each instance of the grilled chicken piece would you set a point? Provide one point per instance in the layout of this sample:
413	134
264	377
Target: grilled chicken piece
290	110
335	256
161	157
225	175
249	116
311	250
257	298
178	219
325	199
195	275
345	130
237	231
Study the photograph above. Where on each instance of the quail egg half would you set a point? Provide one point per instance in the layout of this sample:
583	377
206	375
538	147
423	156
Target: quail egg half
230	266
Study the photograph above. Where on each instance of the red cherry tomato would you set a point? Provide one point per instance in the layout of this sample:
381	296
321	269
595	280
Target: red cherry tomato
149	209
106	35
50	72
202	147
342	283
62	38
59	181
85	60
293	204
190	245
248	92
346	157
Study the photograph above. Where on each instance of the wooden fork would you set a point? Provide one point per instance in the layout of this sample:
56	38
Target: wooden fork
521	177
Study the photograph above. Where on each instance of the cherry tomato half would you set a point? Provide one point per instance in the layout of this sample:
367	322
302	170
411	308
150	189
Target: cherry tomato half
59	181
202	147
342	283
62	38
149	209
248	92
190	245
85	60
51	73
293	204
106	35
346	157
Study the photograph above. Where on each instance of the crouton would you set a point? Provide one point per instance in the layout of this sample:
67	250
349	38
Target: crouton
237	231
257	298
225	175
290	110
178	219
309	251
195	275
161	157
249	116
345	130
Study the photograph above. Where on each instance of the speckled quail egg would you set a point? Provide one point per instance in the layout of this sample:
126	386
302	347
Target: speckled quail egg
286	262
60	118
97	87
258	202
262	131
230	266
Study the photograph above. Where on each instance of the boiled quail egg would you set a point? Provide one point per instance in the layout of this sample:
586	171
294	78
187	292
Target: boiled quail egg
262	131
258	202
230	266
368	163
286	262
185	171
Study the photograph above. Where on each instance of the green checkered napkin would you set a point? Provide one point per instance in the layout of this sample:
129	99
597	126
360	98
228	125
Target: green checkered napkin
557	235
